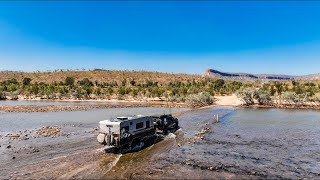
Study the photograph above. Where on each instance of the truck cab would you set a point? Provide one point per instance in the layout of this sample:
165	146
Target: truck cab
165	123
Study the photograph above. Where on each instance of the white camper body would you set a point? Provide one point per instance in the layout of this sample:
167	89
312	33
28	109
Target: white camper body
125	130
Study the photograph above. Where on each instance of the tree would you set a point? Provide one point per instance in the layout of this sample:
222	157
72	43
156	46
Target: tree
245	96
199	100
263	97
218	84
290	97
69	81
34	89
26	81
316	98
135	92
2	95
124	82
12	87
109	91
10	81
279	87
272	90
98	91
121	91
132	82
85	82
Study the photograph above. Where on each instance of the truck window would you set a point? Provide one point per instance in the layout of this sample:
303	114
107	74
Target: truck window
147	124
139	125
126	128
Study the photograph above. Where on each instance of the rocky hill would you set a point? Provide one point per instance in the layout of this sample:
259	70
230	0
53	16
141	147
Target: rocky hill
247	76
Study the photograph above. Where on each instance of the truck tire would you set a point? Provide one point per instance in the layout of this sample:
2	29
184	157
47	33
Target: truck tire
165	130
108	139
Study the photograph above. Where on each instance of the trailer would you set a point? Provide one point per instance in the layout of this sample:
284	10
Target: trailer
125	131
129	131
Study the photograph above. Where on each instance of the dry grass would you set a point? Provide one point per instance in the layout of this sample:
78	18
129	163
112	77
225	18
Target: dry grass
101	76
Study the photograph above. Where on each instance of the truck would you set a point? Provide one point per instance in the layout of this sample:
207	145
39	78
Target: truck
165	123
128	131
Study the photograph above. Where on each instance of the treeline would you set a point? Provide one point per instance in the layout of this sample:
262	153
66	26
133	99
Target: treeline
176	91
287	93
275	93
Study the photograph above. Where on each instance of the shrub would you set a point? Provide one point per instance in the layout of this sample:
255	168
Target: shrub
290	97
199	100
26	81
85	82
263	97
69	81
2	95
245	96
316	97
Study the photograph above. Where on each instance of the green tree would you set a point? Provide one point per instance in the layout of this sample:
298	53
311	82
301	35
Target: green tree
121	90
263	97
124	82
133	82
246	96
85	82
69	81
26	81
199	100
2	95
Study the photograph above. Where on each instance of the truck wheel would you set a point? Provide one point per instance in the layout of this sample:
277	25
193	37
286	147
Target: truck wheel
108	139
165	131
176	126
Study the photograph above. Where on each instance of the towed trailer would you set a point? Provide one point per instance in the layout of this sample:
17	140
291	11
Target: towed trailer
128	131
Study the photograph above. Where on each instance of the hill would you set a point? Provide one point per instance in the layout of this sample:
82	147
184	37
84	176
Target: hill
97	75
247	76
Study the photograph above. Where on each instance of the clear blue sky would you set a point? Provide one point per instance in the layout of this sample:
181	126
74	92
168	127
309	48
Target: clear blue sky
187	37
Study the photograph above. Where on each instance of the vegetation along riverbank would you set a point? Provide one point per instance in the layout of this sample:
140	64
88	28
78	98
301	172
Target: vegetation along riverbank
142	86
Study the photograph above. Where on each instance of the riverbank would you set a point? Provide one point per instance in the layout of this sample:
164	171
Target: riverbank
284	106
100	105
234	101
228	101
103	104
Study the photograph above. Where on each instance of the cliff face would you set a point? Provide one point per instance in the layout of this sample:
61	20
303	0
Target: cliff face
246	76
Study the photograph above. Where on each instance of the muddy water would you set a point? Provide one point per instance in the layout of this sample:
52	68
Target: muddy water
11	122
246	143
70	154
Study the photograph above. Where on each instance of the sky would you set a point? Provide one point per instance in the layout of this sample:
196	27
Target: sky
170	36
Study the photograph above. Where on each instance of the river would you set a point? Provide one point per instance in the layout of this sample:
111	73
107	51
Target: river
245	143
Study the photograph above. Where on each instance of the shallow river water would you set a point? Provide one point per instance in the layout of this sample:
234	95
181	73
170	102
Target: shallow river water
265	143
245	143
75	126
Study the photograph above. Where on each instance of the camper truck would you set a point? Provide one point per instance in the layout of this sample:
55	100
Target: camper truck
125	131
128	131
